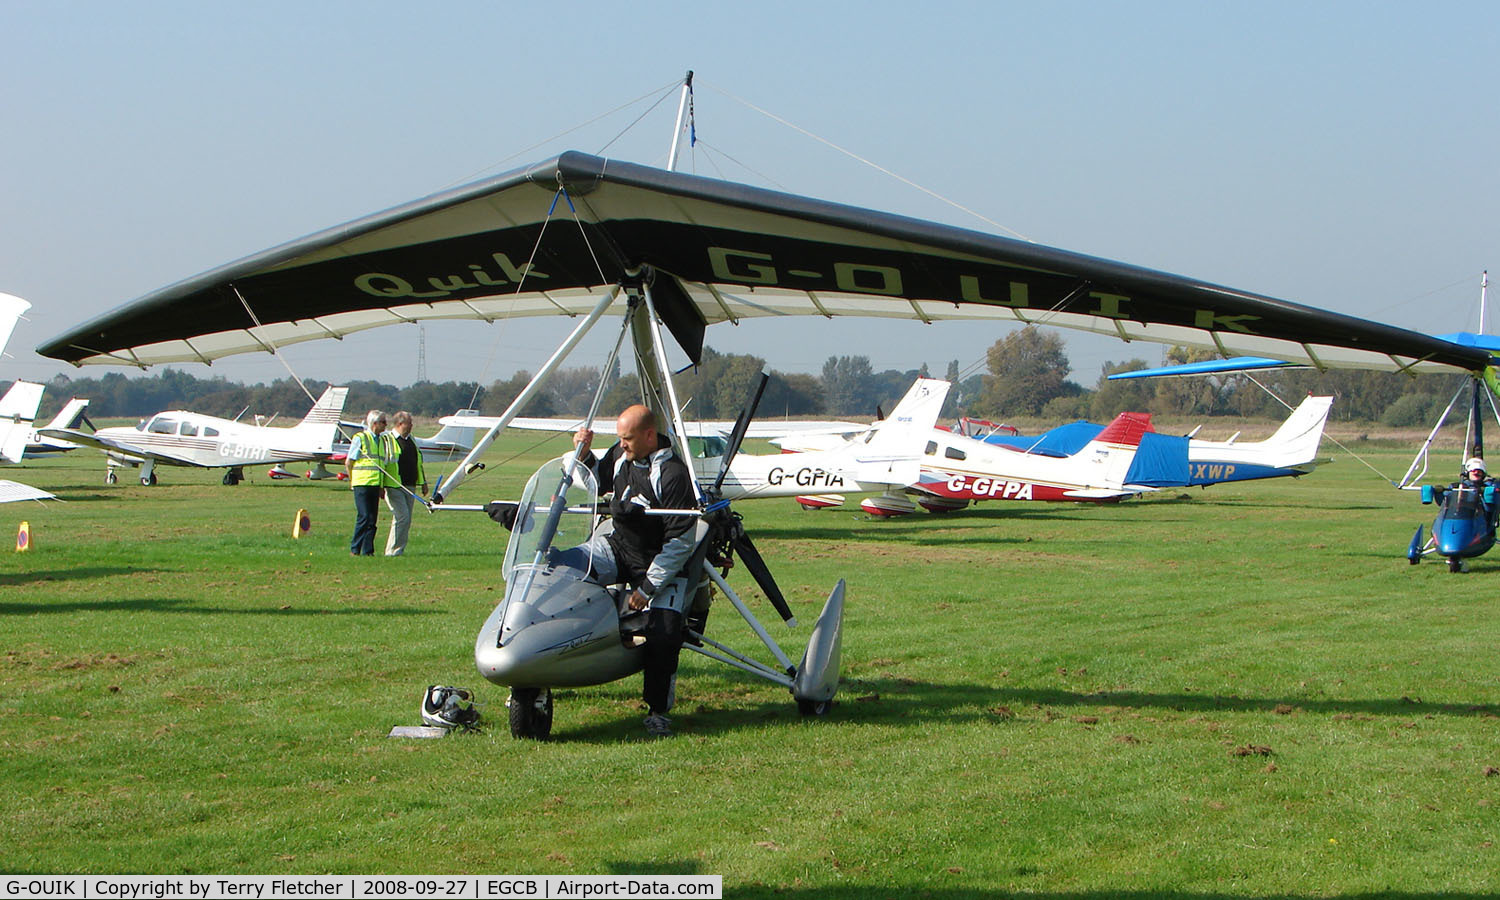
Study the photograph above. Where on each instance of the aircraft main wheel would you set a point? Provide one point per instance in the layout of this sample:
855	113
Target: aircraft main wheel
149	480
814	707
232	477
110	477
1455	564
1413	559
530	713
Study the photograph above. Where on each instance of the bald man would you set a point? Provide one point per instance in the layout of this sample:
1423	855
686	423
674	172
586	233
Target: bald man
647	552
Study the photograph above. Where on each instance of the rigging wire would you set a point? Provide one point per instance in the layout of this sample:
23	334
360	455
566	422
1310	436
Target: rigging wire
561	193
542	143
267	342
638	118
874	165
1340	444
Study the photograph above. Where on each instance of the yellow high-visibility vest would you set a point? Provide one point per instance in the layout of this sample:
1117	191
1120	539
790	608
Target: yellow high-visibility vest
377	454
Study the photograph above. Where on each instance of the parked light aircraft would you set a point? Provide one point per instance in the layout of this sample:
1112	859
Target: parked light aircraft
182	438
860	458
678	252
1086	463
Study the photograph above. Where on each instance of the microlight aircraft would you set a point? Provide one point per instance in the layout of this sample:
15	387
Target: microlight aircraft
182	438
1467	511
675	253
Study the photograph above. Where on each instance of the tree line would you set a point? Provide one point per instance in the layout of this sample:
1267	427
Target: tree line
1026	376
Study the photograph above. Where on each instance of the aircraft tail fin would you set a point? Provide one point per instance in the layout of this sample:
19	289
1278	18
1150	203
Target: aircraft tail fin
11	310
1300	435
17	412
322	421
890	452
457	438
1114	449
1125	430
1295	444
71	415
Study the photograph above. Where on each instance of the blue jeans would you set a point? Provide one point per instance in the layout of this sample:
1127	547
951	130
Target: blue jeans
366	514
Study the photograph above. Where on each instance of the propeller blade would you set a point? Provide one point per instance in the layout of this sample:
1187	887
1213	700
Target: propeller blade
761	573
737	436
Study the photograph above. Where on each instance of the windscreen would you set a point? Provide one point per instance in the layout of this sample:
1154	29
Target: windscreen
556	512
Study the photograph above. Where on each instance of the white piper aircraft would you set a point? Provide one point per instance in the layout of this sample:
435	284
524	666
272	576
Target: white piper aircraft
863	458
183	438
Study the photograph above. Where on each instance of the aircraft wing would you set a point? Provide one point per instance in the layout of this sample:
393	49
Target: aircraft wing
87	439
12	491
604	425
713	251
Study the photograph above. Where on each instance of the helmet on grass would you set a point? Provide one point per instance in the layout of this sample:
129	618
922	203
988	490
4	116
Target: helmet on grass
449	707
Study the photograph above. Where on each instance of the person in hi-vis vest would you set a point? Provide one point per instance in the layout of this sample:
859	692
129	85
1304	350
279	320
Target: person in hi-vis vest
372	454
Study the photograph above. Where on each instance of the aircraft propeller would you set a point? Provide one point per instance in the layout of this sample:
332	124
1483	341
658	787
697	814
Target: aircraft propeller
730	536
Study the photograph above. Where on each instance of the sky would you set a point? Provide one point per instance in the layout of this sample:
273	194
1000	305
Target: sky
1340	155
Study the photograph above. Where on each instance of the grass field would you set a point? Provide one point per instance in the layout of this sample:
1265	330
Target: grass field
1243	691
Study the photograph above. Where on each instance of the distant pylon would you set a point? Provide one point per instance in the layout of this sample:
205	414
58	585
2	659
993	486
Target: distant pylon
421	353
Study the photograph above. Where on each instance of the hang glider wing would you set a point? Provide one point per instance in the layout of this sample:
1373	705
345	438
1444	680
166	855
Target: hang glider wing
714	251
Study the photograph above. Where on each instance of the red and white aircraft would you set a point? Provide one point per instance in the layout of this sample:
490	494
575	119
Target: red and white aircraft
958	470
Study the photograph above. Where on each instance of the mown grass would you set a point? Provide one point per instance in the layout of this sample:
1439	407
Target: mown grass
1243	691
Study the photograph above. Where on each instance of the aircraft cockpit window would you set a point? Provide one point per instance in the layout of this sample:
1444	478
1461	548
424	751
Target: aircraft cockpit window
954	453
162	426
188	429
707	447
931	448
210	431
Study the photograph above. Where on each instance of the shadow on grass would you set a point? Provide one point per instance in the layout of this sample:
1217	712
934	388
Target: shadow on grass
11	579
1401	706
159	604
675	867
898	701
